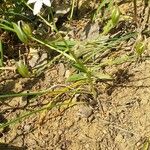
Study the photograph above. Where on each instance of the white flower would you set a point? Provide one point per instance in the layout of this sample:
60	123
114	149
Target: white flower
38	5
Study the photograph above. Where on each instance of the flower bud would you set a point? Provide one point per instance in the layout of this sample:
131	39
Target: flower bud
115	15
22	69
26	28
140	47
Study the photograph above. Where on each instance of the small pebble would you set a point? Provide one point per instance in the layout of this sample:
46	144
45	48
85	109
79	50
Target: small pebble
27	128
85	112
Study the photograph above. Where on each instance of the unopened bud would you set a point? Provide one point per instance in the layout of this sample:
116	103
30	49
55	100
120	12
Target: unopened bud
140	47
115	15
22	69
26	28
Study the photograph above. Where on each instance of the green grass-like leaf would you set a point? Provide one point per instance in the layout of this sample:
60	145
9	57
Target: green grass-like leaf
77	77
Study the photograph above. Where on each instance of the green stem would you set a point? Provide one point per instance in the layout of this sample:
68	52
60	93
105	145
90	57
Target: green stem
53	48
30	113
72	9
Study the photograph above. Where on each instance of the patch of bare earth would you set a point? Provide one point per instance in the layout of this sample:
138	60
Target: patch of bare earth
120	122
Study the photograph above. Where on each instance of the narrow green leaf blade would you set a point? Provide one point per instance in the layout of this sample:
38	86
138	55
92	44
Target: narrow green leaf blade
102	76
77	77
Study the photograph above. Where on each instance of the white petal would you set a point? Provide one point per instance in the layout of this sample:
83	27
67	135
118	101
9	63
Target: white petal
37	7
31	1
47	3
